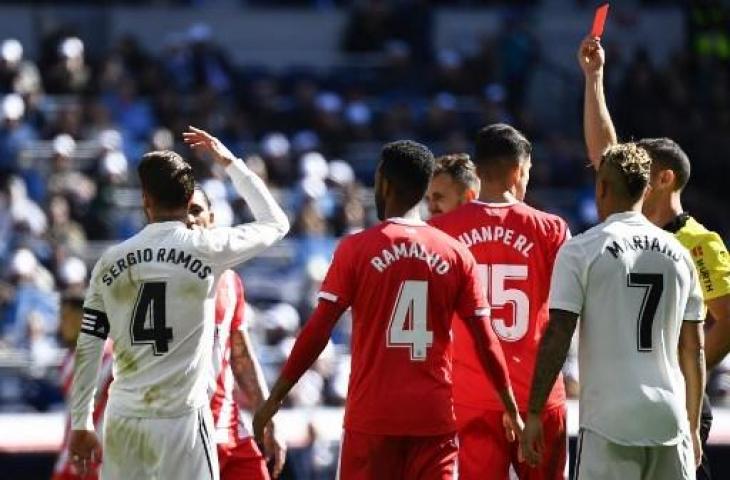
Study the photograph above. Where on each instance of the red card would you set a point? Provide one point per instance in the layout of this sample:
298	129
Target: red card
599	20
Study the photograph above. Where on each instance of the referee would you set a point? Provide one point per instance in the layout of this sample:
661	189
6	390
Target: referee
670	173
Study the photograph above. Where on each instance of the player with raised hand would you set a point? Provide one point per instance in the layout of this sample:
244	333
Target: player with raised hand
404	280
670	172
515	246
154	296
234	362
638	297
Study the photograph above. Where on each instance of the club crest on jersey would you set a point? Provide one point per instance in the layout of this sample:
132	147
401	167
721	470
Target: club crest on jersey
415	250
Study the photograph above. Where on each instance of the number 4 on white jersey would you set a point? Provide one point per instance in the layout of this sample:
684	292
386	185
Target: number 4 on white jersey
411	303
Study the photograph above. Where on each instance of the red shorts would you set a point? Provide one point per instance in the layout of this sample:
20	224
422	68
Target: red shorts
484	451
385	457
244	460
67	474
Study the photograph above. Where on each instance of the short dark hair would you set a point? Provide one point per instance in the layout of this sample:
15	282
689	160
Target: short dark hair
631	165
409	166
199	188
167	178
500	145
459	167
666	153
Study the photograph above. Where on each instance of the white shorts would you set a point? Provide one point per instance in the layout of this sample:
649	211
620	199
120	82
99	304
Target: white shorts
160	448
597	458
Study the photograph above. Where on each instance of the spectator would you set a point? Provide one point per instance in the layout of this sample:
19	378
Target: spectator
17	75
69	74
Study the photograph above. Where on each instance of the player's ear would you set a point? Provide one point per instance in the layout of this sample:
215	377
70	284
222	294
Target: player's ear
667	178
470	195
211	216
147	204
601	188
384	186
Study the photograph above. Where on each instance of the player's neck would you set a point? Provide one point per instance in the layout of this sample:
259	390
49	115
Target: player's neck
496	193
167	216
623	207
667	211
412	213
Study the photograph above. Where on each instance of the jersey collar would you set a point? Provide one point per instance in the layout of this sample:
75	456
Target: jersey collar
407	221
621	216
677	223
165	225
495	204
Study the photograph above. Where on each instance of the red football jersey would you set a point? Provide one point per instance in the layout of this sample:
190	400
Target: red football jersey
404	281
230	306
515	246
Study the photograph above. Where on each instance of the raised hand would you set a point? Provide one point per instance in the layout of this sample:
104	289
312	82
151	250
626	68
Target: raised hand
591	56
201	140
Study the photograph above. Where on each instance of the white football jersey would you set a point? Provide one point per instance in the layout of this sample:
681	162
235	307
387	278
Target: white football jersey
633	285
154	295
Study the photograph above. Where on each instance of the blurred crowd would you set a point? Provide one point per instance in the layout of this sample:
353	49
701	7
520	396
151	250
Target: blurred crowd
73	128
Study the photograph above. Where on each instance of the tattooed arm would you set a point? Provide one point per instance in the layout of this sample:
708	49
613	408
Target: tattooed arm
246	369
551	356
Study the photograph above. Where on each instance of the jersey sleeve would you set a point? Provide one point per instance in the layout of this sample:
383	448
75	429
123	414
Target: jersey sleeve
712	261
88	355
567	289
472	301
562	234
239	314
695	310
338	285
229	246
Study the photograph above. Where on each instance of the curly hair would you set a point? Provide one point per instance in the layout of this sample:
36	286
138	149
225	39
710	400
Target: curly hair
631	165
459	167
409	166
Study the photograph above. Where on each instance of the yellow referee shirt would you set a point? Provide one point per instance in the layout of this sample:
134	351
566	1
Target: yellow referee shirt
709	254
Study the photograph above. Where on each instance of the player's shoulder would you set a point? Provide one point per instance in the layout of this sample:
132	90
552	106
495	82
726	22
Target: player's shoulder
121	248
596	234
546	221
453	219
439	237
230	281
693	234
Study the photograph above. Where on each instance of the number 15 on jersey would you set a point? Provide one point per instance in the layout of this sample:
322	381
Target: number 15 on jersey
494	278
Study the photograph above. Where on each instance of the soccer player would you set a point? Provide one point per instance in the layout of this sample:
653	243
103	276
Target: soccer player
234	361
515	246
670	171
403	280
154	296
640	342
71	314
454	183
